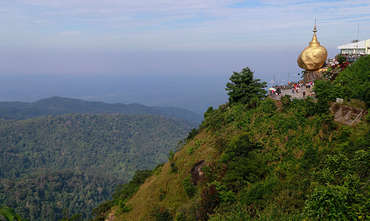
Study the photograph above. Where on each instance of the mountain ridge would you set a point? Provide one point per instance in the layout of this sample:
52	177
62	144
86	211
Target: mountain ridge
56	105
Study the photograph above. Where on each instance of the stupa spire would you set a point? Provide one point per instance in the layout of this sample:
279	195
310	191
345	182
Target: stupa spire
314	37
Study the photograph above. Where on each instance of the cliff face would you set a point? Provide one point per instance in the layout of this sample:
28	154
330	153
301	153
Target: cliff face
291	162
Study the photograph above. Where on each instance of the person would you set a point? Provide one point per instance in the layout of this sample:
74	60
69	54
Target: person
278	91
304	94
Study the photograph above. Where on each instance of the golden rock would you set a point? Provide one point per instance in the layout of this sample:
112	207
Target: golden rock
314	56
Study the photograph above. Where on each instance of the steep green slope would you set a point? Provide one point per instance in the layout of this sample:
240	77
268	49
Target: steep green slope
259	160
61	105
96	150
262	163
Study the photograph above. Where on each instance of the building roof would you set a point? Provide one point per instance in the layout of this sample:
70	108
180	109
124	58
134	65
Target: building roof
354	45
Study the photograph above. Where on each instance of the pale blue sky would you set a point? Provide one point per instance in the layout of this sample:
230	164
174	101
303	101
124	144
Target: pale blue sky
172	38
179	25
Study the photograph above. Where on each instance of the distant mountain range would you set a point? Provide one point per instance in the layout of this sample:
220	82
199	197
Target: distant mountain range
62	105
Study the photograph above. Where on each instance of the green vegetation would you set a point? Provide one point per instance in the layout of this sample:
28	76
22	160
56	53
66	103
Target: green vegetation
278	160
47	195
8	214
57	166
352	83
243	88
161	214
189	187
122	193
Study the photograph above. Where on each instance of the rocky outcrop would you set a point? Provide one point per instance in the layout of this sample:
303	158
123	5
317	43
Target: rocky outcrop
196	172
312	75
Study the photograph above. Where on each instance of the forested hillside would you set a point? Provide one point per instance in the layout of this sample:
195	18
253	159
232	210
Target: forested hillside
255	158
49	195
61	105
69	163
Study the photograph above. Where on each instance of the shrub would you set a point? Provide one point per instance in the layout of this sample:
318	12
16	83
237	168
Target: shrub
189	187
190	150
329	203
161	214
209	201
326	92
158	169
310	157
259	192
225	195
180	216
100	212
285	101
192	134
220	143
208	112
244	165
162	194
174	168
284	123
239	146
267	106
215	120
171	156
236	212
122	206
362	163
244	170
336	167
125	191
311	108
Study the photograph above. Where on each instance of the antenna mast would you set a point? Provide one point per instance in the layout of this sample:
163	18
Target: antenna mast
358	34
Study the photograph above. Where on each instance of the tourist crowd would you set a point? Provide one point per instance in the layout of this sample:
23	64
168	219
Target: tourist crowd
294	89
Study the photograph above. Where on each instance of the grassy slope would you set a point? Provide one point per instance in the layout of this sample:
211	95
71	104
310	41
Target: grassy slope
286	136
149	193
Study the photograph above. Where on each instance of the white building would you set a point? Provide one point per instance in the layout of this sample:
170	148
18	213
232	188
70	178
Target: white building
356	48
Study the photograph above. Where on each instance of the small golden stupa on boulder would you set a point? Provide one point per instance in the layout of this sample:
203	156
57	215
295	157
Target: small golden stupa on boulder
313	57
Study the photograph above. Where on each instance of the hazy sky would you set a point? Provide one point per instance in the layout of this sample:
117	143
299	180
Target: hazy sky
179	25
168	37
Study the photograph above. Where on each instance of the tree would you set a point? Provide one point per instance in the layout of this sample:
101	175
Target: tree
340	58
243	88
355	80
